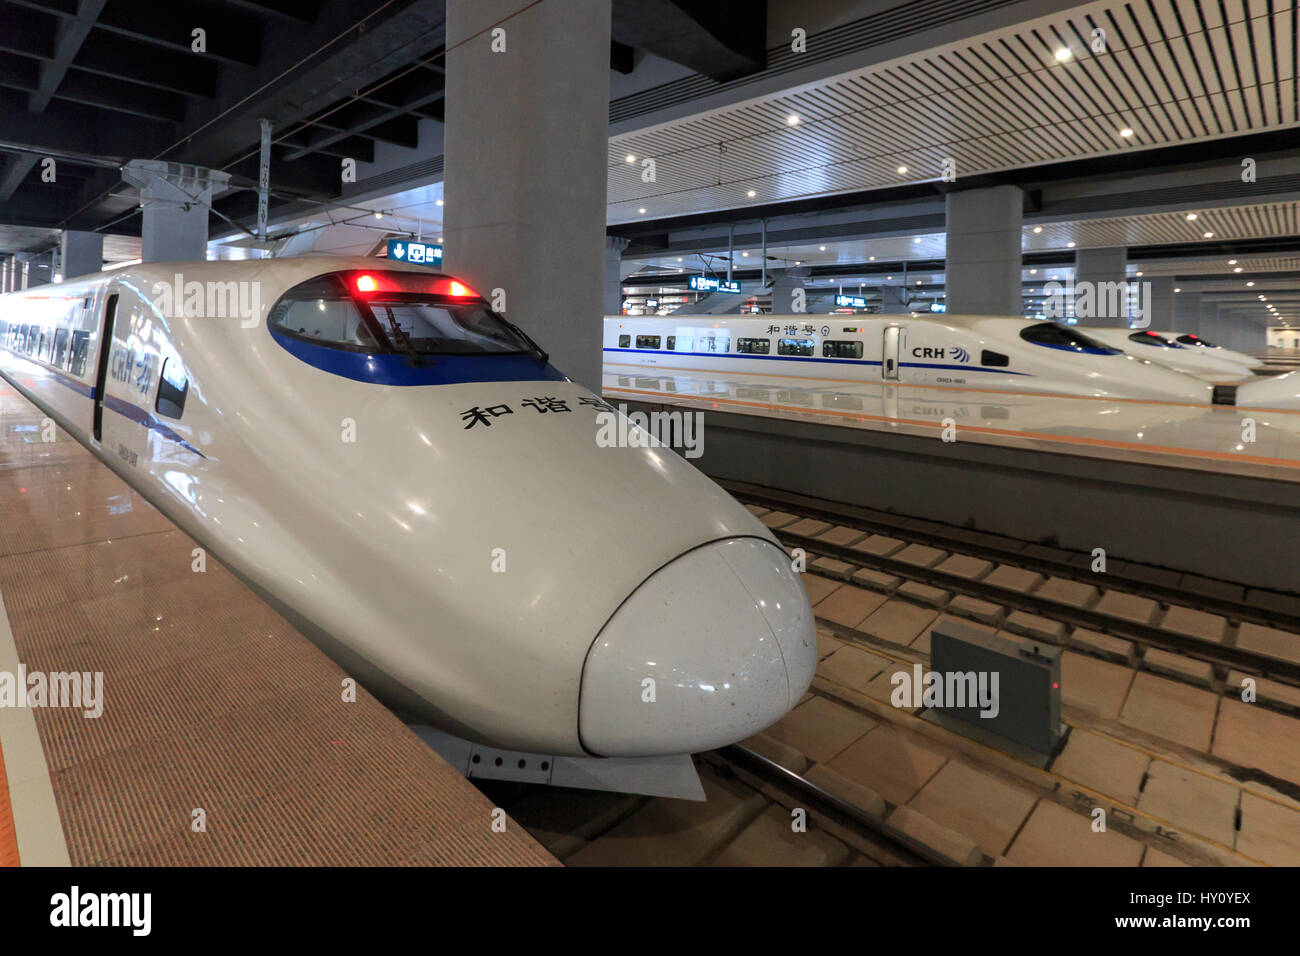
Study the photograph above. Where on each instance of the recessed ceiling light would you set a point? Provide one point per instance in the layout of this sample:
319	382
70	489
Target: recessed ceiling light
679	258
1063	54
631	158
1208	235
1139	273
1232	262
871	258
745	254
438	203
1178	290
1238	269
1069	245
751	194
792	120
378	214
889	278
1038	229
1033	272
1191	217
1250	283
822	248
1126	132
901	170
917	239
641	210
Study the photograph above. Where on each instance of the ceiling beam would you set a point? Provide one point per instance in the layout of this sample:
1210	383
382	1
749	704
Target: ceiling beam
68	39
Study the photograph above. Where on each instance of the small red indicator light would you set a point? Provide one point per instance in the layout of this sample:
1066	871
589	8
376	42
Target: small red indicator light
1056	687
458	289
366	284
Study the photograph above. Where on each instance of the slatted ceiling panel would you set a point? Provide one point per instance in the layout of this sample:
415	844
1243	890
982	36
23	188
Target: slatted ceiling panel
1176	70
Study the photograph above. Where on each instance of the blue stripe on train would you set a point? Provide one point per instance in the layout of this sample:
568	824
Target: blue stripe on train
384	368
122	407
813	358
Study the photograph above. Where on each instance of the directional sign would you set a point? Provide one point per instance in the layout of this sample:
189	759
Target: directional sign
712	284
851	301
420	252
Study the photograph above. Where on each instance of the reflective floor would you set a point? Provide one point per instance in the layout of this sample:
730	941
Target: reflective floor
1253	442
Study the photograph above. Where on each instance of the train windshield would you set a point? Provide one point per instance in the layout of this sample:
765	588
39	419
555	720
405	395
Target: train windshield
1150	338
1053	336
384	311
1196	340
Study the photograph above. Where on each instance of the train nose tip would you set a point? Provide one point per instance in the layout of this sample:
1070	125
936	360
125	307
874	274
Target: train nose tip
713	647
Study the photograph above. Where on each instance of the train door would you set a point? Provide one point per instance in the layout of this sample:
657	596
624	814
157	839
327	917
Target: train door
101	373
889	353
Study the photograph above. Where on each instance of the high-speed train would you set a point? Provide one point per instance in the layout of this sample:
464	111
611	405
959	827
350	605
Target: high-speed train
967	352
1194	341
401	472
1205	363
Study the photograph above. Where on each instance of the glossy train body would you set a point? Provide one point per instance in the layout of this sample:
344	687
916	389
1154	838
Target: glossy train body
1205	362
439	517
966	352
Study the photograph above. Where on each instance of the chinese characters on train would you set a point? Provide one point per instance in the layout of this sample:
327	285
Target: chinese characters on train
479	415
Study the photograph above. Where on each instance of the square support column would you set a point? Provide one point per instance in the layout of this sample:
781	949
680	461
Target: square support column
526	143
1101	281
176	198
983	261
83	253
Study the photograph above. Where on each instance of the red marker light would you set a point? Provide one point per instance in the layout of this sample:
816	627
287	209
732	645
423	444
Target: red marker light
457	289
1056	686
366	284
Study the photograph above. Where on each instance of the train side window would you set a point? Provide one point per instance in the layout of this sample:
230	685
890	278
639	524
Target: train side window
994	359
842	349
796	346
625	341
60	347
1055	336
671	344
173	386
715	343
80	349
754	346
647	341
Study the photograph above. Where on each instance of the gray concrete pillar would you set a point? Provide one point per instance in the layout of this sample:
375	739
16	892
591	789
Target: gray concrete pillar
893	300
6	270
1187	312
1155	304
1101	286
983	260
175	198
83	253
614	246
784	292
526	144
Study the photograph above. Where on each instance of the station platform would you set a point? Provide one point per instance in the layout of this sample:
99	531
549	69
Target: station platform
1172	434
1158	484
221	735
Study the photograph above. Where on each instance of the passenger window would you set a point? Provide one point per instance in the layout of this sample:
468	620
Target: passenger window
715	343
80	346
994	359
796	346
172	389
840	349
625	341
754	346
647	341
60	347
672	343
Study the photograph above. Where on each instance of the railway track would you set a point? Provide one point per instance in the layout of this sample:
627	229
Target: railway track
1158	586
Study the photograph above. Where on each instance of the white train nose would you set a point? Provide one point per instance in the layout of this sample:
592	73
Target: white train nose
713	647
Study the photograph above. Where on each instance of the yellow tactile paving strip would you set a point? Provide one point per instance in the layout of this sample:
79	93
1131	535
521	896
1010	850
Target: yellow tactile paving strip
212	702
8	839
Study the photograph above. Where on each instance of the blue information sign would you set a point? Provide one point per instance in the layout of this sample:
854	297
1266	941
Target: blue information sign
404	250
712	284
851	301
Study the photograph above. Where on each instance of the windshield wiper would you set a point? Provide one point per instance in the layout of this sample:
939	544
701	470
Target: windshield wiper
401	338
537	352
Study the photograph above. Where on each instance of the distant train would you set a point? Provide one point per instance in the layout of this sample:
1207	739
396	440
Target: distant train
401	472
967	352
1203	361
1192	340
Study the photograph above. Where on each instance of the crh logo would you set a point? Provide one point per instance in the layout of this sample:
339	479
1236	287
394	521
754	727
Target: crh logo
960	354
927	352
